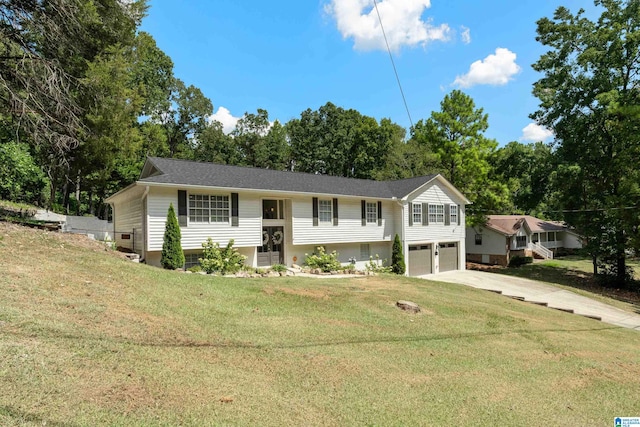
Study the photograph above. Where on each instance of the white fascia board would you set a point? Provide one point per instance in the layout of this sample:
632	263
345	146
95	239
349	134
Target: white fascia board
113	197
257	190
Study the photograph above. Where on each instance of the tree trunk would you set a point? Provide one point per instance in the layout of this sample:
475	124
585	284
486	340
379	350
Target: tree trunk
595	265
78	194
621	260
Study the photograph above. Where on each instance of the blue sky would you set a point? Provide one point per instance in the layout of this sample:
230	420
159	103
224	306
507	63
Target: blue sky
286	56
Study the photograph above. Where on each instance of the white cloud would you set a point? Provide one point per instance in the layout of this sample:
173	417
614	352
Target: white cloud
496	69
401	19
534	132
225	117
465	34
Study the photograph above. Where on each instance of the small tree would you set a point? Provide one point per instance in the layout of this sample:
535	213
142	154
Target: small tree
172	255
397	258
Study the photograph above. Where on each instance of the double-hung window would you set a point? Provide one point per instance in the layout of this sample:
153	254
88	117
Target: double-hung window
325	212
453	214
436	214
208	208
417	213
372	212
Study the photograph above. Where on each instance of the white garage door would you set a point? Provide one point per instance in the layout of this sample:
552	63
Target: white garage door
420	260
448	256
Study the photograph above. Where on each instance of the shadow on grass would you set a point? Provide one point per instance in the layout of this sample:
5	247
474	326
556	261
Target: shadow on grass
572	278
25	417
181	343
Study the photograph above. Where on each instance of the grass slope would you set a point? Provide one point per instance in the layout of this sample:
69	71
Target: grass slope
87	338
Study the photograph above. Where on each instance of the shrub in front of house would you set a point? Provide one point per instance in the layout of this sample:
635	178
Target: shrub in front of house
216	259
518	260
397	258
323	261
172	255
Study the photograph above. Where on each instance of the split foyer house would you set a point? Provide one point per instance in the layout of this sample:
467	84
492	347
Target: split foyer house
276	217
506	236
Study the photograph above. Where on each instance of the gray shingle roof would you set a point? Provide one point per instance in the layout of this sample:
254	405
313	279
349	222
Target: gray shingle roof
186	172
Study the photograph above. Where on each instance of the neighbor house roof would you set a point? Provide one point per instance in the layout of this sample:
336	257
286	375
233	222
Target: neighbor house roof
185	172
510	224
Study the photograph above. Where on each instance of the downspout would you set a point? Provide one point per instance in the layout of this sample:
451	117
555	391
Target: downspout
145	223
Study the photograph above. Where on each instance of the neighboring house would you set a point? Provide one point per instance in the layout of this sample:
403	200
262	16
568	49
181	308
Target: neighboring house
505	236
277	217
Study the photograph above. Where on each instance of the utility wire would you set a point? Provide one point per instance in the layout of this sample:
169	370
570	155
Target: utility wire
393	63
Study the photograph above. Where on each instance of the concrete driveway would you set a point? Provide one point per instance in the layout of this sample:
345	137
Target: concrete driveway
543	294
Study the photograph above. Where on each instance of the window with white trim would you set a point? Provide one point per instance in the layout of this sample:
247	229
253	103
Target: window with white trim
453	214
208	208
436	214
478	239
372	212
417	213
521	241
325	210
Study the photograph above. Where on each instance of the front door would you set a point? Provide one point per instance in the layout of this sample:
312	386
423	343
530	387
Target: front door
271	252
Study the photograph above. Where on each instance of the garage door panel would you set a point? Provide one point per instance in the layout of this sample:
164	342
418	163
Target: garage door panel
420	260
448	256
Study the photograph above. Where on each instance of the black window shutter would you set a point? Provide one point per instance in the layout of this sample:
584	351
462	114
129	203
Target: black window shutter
315	211
363	210
410	214
234	210
182	208
447	214
335	211
459	214
379	213
425	214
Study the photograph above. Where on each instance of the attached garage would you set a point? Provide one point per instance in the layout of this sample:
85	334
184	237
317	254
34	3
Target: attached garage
448	256
420	260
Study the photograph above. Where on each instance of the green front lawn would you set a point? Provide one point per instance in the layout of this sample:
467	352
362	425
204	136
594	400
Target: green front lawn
87	338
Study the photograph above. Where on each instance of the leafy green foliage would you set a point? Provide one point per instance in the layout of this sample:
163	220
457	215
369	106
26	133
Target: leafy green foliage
322	260
455	138
225	260
397	258
375	265
589	96
21	180
172	254
279	268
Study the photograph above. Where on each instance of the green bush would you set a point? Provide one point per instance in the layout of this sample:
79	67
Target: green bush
376	266
225	260
21	180
518	260
322	260
172	255
279	268
397	258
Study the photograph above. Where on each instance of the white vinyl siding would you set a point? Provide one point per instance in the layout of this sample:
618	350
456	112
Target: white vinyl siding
435	194
493	243
349	228
325	211
372	213
248	233
128	223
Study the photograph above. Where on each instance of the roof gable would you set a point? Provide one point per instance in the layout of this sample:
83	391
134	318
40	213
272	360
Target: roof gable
185	172
510	224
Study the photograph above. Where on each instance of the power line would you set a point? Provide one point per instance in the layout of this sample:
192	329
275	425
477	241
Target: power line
393	63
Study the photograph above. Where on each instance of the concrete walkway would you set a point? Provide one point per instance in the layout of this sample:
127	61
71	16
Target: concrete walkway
543	294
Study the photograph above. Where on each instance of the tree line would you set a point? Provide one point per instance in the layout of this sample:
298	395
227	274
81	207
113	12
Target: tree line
85	97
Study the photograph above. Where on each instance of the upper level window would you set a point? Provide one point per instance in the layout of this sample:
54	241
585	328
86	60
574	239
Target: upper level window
272	209
207	208
436	214
325	212
453	217
479	239
417	213
521	241
372	212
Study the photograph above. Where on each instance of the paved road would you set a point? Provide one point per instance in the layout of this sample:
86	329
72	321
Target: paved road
538	292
